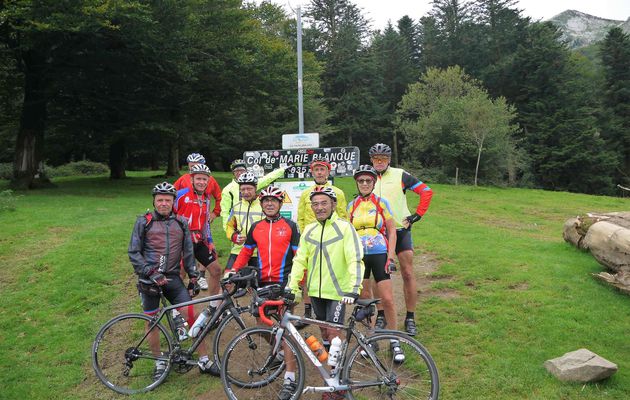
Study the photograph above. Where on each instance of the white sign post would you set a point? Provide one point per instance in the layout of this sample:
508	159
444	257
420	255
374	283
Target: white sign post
300	141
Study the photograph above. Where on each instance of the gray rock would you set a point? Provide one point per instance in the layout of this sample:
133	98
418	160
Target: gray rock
581	366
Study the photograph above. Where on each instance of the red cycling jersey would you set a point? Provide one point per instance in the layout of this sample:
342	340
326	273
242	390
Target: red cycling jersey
213	190
277	242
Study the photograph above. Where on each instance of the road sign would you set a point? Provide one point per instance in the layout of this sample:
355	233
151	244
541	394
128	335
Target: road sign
344	161
300	141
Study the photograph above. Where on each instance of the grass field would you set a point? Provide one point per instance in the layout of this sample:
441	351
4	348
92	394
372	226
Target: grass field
518	295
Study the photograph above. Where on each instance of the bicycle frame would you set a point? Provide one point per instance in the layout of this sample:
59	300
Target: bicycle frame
331	378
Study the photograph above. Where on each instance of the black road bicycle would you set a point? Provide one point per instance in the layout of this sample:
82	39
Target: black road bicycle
366	367
124	361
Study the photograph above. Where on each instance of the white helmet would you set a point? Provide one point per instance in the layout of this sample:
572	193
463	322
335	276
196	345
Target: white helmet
196	157
200	169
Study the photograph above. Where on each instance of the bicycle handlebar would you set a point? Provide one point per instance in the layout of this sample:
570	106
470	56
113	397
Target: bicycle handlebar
261	310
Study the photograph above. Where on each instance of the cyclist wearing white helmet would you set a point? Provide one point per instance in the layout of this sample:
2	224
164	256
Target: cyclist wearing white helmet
159	242
392	184
231	194
242	217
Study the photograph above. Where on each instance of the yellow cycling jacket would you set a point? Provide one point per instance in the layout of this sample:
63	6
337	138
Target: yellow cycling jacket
332	256
305	214
231	195
242	217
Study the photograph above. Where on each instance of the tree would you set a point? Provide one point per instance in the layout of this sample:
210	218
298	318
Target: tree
615	55
449	121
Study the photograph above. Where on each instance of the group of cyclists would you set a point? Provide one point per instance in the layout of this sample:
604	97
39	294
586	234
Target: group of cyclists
326	260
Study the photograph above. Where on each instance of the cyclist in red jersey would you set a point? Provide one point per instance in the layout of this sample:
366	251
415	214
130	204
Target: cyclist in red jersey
212	190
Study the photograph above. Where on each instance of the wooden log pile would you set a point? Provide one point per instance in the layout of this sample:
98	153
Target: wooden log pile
607	237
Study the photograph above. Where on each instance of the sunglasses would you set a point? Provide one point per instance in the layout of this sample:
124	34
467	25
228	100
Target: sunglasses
380	158
365	181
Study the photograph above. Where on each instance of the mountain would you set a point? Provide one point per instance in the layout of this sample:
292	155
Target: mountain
580	29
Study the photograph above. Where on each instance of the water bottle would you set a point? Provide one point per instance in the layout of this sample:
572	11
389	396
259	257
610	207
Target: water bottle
180	325
334	352
200	323
317	348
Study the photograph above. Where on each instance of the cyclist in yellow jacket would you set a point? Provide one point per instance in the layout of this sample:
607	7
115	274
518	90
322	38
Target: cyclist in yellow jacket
392	184
320	170
243	215
230	194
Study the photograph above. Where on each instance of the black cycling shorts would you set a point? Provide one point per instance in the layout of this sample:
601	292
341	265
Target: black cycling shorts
403	240
328	310
174	291
375	264
203	254
253	262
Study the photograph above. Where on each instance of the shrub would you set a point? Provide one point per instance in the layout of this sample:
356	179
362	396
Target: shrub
78	168
6	170
7	200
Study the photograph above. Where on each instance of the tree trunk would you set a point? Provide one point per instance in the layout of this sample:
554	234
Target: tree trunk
118	159
478	159
395	149
30	138
172	169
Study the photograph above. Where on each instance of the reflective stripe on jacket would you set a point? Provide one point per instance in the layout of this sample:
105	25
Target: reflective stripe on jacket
242	217
332	256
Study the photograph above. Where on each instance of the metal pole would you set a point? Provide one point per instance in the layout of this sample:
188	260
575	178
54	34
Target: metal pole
299	65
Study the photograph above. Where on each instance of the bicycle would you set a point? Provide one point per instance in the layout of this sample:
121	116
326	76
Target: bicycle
365	371
122	357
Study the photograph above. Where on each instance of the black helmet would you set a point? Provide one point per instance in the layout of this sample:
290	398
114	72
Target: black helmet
164	188
380	149
365	170
238	163
247	179
327	190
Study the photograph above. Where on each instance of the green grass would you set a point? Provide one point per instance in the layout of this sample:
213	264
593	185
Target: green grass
521	295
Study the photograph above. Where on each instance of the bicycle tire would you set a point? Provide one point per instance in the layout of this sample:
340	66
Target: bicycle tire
246	353
415	378
228	328
121	336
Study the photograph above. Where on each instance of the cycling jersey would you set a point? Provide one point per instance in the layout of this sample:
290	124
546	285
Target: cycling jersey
213	190
393	185
368	216
231	193
305	214
331	254
277	241
193	208
242	217
158	243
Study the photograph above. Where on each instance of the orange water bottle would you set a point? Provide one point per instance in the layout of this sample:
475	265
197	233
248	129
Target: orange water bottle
317	348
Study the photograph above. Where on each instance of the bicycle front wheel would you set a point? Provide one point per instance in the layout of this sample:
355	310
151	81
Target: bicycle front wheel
247	372
390	375
124	361
230	326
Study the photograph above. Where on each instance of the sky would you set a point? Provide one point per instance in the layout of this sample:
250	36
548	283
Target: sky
380	11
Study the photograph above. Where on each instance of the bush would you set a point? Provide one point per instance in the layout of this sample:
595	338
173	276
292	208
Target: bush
6	170
78	168
7	200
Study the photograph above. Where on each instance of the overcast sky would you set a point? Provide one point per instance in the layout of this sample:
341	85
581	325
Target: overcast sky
380	11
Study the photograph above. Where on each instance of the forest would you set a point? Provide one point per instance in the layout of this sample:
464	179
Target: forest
472	88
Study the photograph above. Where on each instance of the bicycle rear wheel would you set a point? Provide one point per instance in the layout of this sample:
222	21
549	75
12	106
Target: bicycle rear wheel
243	375
123	361
414	378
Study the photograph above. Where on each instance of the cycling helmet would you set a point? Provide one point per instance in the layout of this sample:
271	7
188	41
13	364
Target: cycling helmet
238	163
272	191
380	149
247	179
164	188
321	162
365	170
200	169
327	190
196	157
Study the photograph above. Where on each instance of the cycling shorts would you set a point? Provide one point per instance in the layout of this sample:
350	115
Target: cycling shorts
175	292
203	254
328	310
403	240
375	264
